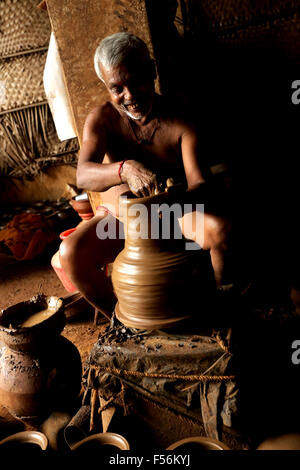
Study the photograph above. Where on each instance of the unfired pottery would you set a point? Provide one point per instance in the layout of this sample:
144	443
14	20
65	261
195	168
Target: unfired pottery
151	277
284	442
204	443
25	437
112	439
32	358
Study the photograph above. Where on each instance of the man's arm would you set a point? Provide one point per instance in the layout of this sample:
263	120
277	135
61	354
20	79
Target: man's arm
92	174
201	186
190	149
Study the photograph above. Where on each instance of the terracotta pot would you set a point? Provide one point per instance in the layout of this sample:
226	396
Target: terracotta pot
30	358
197	443
83	208
66	233
98	442
56	265
151	277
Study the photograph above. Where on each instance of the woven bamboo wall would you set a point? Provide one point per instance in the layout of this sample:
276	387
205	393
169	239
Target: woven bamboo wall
28	139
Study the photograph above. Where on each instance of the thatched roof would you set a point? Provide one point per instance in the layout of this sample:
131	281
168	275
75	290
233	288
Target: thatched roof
28	139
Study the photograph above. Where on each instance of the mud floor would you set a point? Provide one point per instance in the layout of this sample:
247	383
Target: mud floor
21	280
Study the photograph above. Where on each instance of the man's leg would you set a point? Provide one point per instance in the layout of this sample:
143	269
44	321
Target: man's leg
83	255
211	233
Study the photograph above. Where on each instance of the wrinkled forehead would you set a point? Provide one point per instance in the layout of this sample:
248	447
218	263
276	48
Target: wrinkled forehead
139	67
134	60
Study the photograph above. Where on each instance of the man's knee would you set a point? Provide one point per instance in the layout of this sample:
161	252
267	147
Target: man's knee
220	233
70	254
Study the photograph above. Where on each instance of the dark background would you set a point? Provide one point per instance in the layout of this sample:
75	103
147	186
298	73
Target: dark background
233	68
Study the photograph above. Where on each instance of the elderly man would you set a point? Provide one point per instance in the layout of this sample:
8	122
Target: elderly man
134	142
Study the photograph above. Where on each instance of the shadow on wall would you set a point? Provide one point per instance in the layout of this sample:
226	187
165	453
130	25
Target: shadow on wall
235	80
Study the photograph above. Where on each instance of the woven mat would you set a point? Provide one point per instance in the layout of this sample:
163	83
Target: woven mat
22	81
23	26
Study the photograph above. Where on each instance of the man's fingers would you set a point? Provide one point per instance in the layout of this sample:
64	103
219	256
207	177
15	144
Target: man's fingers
153	185
144	187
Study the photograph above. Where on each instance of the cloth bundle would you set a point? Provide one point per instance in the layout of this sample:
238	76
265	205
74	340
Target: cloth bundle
27	235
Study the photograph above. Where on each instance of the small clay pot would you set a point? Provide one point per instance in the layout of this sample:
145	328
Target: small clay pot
26	340
197	443
26	442
99	443
83	208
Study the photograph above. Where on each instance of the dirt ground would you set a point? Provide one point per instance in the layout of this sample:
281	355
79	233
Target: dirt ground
20	281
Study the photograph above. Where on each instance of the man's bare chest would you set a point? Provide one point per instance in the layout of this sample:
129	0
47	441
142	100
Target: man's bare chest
156	142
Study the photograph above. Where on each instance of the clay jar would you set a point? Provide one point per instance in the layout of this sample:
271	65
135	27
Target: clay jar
152	274
31	358
83	208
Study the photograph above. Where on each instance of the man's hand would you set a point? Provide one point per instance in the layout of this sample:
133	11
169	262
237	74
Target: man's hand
141	181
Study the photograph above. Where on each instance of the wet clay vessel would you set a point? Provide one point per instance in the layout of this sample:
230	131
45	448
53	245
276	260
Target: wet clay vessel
56	264
152	276
35	359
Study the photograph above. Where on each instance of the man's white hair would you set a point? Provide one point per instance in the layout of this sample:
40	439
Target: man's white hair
114	49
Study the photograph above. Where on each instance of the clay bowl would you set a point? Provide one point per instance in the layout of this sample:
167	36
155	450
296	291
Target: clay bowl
24	339
283	442
197	444
29	443
101	443
83	208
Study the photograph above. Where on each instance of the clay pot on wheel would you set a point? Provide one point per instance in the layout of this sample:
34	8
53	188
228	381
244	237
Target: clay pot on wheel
32	356
151	276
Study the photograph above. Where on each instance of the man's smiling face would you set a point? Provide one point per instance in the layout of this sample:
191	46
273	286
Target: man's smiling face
131	87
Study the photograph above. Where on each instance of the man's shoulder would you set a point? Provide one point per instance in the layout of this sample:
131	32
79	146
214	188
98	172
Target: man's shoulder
102	116
104	110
